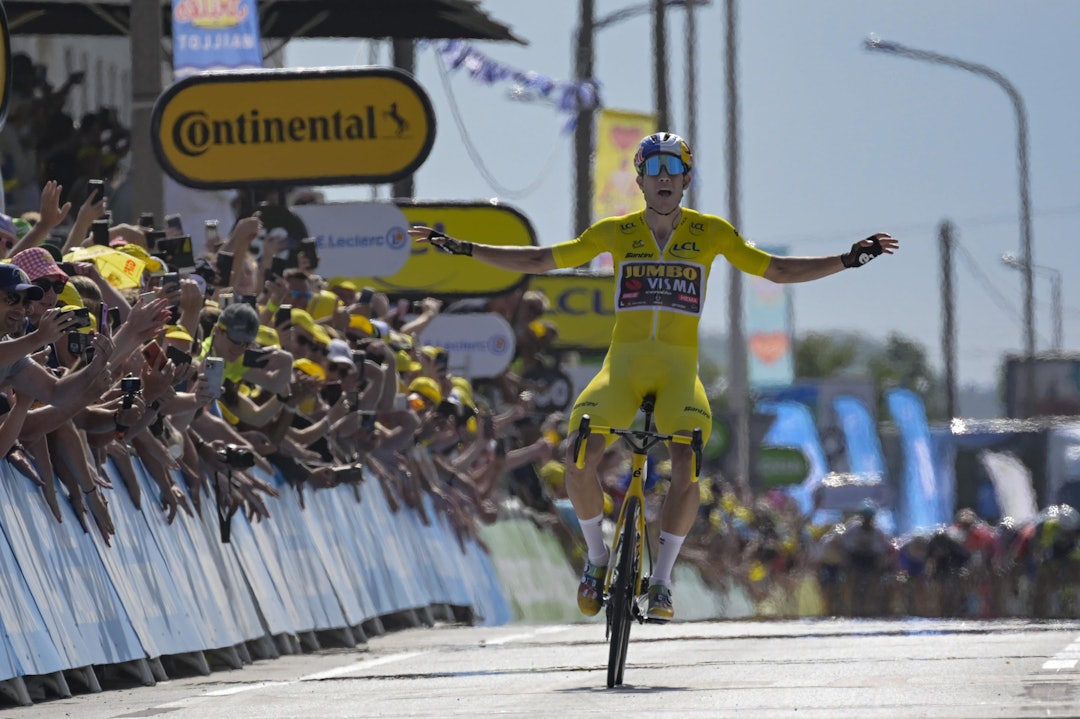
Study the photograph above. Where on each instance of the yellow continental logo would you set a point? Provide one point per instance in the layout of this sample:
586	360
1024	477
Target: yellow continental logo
337	126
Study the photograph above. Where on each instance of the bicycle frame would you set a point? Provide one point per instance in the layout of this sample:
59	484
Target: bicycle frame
640	441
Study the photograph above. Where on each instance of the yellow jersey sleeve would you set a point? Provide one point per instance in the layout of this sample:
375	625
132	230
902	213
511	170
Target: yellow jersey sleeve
738	251
596	239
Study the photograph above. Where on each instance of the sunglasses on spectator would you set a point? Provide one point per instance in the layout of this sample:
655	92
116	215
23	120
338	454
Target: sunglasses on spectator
15	299
56	286
652	165
311	344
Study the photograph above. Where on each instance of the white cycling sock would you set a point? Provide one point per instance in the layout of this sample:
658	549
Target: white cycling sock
670	545
594	539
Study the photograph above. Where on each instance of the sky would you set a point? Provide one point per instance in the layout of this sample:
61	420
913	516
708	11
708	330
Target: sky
835	143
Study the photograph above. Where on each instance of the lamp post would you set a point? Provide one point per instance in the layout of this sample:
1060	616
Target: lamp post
877	44
1055	293
584	62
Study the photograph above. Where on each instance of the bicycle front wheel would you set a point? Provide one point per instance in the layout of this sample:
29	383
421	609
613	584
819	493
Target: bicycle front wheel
622	593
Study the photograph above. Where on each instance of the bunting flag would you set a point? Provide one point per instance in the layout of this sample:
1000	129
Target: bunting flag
568	97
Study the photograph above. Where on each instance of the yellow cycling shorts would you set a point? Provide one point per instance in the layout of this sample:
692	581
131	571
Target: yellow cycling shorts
633	370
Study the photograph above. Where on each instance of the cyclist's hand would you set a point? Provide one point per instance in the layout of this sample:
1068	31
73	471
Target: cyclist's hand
865	250
444	242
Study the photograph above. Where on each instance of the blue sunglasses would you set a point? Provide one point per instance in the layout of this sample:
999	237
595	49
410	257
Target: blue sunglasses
651	166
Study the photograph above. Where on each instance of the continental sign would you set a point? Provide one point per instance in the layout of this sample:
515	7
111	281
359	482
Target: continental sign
272	127
582	307
429	271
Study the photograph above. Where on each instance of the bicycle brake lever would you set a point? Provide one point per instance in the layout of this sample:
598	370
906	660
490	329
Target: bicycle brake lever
582	433
696	445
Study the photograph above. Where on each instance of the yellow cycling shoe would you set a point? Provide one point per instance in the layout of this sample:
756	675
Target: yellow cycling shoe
590	592
660	606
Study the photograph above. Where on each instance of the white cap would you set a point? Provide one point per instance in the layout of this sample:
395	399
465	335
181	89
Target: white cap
339	352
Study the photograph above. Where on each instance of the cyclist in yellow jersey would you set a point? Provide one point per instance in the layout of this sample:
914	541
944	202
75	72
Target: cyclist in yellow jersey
662	258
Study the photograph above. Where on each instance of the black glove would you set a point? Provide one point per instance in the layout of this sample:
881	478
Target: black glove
450	245
861	254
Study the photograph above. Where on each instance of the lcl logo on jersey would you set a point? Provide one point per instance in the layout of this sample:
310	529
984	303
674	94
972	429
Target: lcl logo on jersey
685	249
627	227
697	228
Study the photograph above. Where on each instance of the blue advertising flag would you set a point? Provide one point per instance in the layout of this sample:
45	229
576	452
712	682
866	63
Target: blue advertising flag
215	36
794	427
863	445
923	502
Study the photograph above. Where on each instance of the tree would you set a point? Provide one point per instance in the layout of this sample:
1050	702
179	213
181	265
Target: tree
819	355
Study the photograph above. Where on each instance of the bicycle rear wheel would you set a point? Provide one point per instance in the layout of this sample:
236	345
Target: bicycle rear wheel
622	595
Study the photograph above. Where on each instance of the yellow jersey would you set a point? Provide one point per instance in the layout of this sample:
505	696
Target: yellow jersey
659	295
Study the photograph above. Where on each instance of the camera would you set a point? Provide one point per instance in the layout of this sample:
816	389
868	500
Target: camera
81	345
130	386
236	457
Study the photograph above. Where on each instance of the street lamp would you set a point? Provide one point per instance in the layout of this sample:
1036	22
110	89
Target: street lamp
584	60
1055	293
874	43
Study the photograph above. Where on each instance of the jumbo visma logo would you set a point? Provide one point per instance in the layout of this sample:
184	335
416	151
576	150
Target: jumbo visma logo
340	126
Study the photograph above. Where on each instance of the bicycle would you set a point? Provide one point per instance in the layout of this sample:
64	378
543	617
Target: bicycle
625	584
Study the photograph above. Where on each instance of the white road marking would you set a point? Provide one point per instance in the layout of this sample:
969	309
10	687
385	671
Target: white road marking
1060	664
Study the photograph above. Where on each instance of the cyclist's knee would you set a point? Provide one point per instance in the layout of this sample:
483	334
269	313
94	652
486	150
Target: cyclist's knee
593	453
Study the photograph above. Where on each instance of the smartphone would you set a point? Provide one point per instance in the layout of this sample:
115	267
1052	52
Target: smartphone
170	281
146	220
354	400
214	371
99	231
114	318
178	356
213	237
82	317
401	403
183	256
447	409
153	238
78	343
331	393
146	298
174	227
5	406
348	475
155	356
359	357
365	296
256	358
95	190
283	315
249	300
224	266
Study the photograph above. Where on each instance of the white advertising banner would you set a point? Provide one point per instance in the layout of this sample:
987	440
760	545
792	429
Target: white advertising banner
478	345
358	239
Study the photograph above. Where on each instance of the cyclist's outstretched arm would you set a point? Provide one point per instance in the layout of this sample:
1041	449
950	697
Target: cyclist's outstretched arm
530	260
804	269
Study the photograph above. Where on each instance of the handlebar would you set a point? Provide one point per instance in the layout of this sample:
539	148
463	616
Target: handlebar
640	440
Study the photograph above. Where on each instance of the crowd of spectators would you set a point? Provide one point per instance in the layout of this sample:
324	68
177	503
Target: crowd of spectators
205	362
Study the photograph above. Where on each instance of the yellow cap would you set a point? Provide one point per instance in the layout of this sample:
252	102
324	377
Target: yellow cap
308	367
344	284
267	337
323	304
359	322
302	319
321	335
70	296
405	363
427	388
177	332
